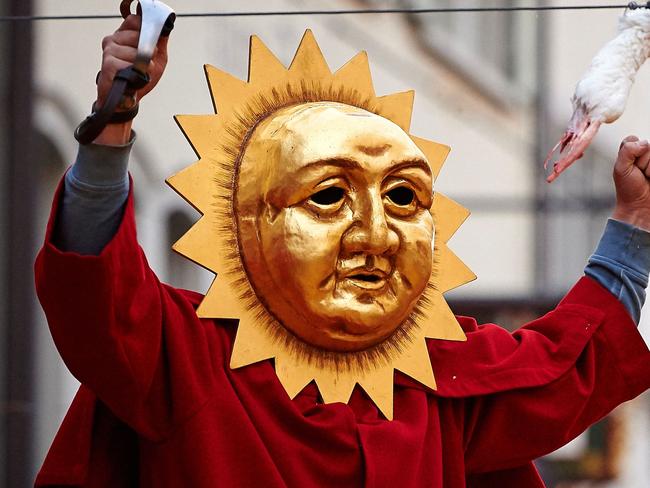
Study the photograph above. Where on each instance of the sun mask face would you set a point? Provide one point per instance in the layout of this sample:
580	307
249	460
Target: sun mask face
318	219
334	223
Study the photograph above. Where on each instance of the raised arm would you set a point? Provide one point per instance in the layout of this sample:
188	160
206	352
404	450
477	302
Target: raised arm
97	185
123	334
567	370
561	393
622	259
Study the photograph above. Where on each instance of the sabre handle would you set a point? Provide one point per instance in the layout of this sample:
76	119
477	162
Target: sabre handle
127	81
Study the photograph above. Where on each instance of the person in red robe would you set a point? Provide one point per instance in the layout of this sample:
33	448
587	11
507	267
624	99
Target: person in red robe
159	405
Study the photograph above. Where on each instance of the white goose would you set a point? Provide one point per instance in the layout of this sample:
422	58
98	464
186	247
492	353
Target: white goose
600	96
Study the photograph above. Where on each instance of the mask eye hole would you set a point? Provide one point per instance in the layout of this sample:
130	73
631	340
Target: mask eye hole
401	196
328	196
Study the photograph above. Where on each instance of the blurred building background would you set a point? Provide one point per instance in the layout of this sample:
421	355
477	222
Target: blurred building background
494	86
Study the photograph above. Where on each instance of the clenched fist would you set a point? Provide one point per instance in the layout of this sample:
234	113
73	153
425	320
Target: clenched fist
632	181
118	52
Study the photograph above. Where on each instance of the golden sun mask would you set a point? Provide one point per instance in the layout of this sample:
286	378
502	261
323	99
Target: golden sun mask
333	222
318	218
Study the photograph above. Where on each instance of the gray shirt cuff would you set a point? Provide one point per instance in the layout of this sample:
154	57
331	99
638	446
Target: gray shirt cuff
95	190
628	245
621	264
102	166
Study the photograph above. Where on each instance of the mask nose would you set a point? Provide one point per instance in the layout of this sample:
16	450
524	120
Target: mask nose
369	232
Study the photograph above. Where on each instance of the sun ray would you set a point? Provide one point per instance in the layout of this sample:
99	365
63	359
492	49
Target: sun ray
227	91
378	384
435	152
263	66
454	273
190	182
222	301
397	107
293	374
336	386
414	361
309	60
212	242
203	132
197	245
355	74
445	326
252	343
448	215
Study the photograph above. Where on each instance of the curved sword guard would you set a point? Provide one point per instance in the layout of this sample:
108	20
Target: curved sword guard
157	20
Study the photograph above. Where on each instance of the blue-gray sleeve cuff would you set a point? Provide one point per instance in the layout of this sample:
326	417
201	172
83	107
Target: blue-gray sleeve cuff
102	166
621	264
626	245
95	190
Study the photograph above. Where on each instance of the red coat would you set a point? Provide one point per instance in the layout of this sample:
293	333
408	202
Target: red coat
160	404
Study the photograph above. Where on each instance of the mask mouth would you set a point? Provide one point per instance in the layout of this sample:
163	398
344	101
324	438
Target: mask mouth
374	279
369	277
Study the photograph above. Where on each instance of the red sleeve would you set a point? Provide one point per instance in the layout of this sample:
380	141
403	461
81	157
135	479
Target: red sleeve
533	416
136	343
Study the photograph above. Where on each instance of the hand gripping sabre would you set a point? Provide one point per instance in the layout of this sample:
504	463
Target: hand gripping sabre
157	21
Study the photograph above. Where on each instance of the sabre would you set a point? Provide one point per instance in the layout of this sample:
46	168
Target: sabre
157	21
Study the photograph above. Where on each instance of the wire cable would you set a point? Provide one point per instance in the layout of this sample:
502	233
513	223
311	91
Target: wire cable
630	5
